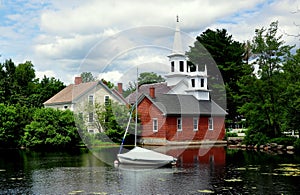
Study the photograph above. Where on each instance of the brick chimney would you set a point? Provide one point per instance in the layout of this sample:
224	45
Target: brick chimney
78	80
120	88
152	92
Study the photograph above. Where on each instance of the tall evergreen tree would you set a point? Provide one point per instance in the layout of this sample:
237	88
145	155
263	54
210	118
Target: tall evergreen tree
228	55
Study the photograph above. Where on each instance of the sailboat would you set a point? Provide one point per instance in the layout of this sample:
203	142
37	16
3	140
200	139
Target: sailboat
139	156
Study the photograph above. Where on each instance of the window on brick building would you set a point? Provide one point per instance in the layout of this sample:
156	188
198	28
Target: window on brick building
155	125
195	124
210	123
179	124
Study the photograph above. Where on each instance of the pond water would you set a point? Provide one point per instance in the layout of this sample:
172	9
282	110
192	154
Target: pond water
199	171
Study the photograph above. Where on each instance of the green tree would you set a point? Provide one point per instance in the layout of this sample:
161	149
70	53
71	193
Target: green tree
7	83
24	83
263	100
219	47
13	119
149	77
131	88
292	93
108	83
51	128
87	77
113	118
8	126
44	90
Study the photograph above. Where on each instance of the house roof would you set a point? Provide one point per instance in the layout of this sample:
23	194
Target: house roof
72	92
160	88
174	104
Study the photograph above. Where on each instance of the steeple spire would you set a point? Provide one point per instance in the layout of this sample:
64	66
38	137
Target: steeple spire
179	67
177	45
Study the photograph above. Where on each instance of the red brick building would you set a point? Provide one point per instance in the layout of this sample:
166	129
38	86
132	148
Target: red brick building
178	119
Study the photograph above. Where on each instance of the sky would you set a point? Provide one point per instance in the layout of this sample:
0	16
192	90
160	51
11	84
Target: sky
111	38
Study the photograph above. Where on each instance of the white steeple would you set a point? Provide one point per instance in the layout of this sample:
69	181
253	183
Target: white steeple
177	58
177	44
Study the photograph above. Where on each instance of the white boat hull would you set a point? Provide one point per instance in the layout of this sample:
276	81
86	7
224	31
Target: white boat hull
142	156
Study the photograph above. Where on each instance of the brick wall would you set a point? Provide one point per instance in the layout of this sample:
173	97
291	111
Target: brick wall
188	133
147	111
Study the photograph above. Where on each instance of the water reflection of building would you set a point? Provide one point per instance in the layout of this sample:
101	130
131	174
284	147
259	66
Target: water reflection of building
198	168
191	155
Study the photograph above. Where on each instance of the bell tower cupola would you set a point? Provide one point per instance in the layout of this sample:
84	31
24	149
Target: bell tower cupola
197	84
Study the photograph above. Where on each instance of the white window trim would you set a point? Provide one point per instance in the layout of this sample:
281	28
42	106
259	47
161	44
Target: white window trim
93	99
211	123
179	129
153	121
91	121
105	98
197	124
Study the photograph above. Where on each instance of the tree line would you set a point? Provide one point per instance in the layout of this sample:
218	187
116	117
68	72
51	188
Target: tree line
261	77
23	120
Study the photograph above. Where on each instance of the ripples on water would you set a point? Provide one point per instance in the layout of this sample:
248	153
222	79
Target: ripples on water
216	170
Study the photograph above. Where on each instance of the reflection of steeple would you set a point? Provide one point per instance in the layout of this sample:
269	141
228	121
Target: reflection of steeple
177	45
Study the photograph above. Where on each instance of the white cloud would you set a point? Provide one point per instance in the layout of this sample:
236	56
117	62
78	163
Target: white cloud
113	76
47	73
67	37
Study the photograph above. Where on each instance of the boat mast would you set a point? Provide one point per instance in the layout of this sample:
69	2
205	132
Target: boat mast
136	107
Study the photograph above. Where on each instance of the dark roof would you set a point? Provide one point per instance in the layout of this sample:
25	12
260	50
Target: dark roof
174	104
160	88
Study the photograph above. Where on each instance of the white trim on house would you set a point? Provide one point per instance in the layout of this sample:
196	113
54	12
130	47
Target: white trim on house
91	117
91	99
106	101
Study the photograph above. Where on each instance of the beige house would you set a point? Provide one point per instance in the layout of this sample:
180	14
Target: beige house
81	98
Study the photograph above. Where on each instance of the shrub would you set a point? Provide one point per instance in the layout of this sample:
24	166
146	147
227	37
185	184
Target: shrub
297	145
51	128
287	141
255	138
230	134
